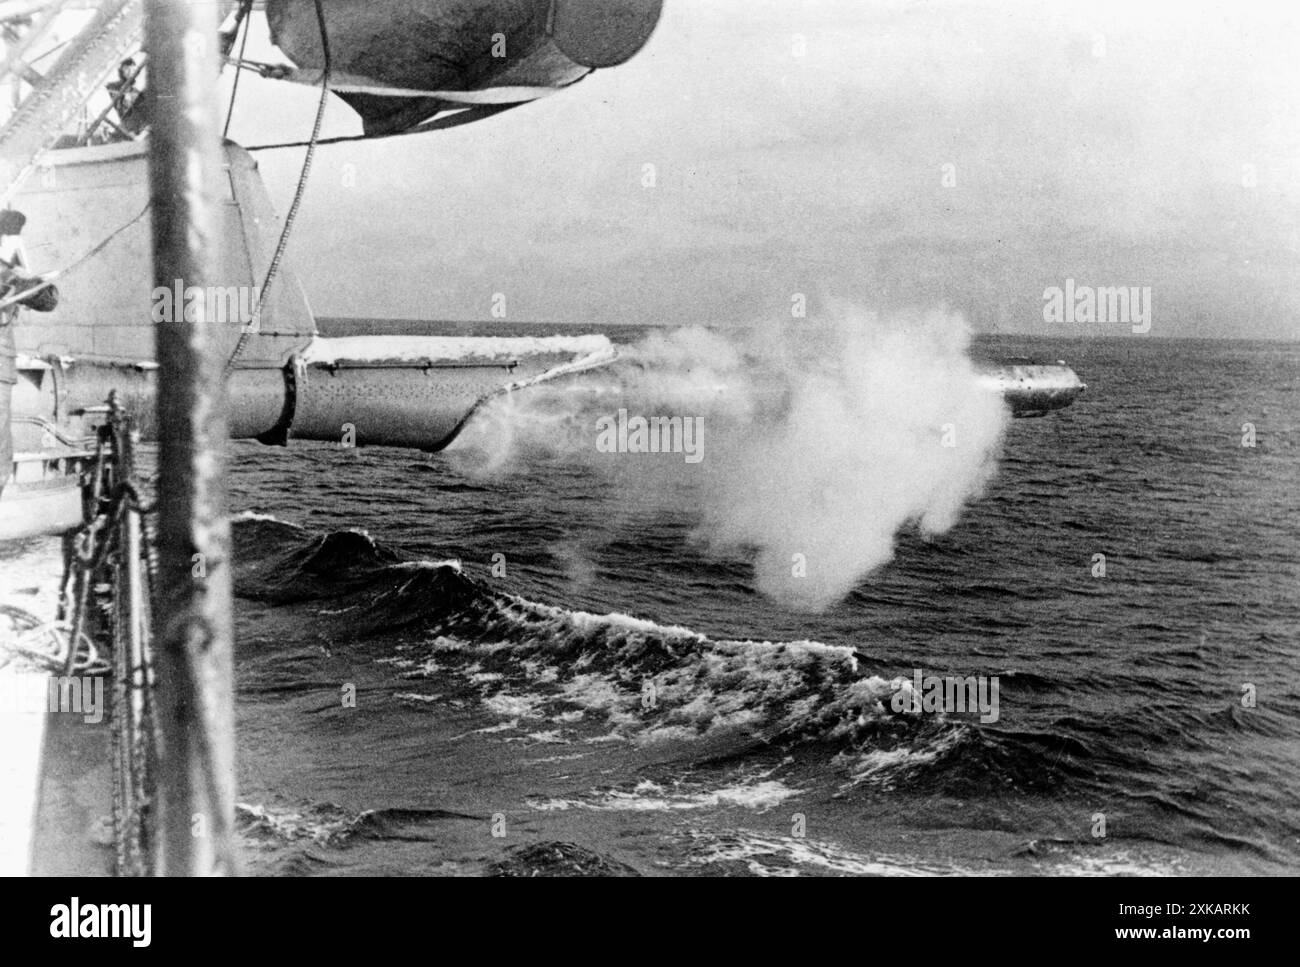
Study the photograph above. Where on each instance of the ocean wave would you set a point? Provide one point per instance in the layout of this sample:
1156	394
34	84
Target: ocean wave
765	855
758	794
332	826
550	675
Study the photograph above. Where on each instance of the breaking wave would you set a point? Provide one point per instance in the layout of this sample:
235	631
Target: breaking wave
545	674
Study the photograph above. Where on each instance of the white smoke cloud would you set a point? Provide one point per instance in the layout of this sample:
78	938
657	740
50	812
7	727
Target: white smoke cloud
820	441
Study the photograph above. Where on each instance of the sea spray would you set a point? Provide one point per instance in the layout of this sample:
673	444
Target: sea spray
824	440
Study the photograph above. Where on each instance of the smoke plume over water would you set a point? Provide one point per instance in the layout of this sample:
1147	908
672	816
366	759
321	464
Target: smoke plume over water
819	442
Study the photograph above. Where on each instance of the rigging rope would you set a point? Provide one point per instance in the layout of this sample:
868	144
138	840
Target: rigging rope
255	325
121	564
130	624
247	23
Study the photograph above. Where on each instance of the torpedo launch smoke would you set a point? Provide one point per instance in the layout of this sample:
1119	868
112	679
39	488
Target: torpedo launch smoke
824	440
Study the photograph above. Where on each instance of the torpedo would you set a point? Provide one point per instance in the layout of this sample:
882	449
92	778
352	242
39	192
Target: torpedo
1033	389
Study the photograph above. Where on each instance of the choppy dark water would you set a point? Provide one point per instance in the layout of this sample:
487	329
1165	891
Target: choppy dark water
622	694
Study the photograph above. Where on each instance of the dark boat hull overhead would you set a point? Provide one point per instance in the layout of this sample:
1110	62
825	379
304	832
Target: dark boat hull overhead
401	62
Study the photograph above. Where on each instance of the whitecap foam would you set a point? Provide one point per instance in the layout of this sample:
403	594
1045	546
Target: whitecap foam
255	515
758	795
788	856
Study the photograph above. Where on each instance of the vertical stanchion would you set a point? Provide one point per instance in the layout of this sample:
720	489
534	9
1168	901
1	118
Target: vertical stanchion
193	650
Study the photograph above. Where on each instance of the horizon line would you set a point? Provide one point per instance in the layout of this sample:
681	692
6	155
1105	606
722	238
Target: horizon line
743	325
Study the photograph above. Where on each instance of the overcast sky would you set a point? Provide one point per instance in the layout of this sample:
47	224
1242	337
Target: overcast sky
1136	143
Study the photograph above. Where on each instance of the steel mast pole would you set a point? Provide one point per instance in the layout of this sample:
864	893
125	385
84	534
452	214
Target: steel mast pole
194	644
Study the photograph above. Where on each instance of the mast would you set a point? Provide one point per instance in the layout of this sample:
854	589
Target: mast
194	647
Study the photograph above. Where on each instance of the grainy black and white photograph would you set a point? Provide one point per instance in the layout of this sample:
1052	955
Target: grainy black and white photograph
650	438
